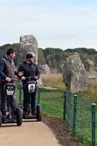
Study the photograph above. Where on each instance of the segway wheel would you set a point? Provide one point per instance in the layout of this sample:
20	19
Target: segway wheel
0	118
38	111
19	116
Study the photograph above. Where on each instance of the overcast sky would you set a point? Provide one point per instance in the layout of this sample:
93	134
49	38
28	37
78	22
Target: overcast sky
54	23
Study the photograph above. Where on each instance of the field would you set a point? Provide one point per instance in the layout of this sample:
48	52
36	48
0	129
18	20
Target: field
53	80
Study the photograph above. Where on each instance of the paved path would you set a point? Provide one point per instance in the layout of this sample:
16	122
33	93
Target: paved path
29	134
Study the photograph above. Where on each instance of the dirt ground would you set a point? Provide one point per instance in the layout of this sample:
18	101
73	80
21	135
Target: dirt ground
61	132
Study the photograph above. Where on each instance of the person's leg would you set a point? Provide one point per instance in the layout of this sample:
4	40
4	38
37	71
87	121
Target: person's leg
33	101
0	95
13	104
3	101
26	98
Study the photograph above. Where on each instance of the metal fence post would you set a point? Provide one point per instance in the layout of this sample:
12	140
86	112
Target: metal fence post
74	116
38	96
64	110
93	124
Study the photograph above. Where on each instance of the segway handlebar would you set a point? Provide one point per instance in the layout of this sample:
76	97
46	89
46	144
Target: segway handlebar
12	80
28	78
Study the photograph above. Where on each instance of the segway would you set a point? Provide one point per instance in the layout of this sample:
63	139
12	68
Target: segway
13	115
31	85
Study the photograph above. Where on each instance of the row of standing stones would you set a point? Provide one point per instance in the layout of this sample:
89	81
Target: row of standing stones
73	70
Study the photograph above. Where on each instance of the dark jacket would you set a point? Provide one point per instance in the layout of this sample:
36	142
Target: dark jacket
31	69
6	68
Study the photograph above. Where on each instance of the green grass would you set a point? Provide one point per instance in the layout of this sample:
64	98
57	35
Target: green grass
52	103
90	94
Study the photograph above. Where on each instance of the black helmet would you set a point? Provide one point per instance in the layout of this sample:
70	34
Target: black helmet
30	55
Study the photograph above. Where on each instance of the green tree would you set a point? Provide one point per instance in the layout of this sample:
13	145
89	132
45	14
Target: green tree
41	56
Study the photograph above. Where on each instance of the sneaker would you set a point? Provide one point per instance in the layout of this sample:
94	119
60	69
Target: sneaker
33	112
4	118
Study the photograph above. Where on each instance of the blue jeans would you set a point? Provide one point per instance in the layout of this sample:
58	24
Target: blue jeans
29	98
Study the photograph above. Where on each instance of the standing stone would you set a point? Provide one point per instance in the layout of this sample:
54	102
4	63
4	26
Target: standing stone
44	69
74	74
89	65
28	43
60	68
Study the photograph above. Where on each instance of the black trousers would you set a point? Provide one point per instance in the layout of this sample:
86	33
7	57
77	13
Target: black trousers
29	99
3	100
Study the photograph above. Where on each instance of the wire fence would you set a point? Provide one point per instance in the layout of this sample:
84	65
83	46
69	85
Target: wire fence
81	117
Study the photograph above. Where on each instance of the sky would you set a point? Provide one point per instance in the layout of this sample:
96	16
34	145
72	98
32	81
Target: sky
54	23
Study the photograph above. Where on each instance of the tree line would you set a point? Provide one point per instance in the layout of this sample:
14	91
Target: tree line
54	57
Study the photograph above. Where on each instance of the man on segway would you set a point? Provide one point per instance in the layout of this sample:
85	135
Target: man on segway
29	69
7	74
